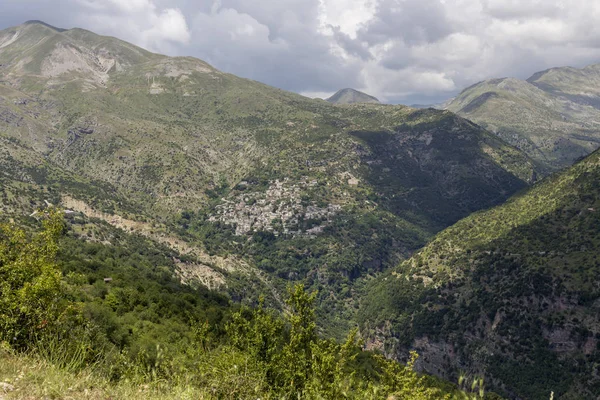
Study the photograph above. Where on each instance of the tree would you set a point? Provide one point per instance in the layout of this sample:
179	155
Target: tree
30	280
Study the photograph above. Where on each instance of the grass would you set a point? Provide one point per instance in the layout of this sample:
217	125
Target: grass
35	378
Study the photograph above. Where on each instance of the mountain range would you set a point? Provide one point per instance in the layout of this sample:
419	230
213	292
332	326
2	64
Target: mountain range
452	236
554	116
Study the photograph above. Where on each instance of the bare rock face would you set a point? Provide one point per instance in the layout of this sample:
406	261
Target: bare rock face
62	56
67	58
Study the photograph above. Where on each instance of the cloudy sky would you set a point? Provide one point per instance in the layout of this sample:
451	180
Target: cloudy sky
402	51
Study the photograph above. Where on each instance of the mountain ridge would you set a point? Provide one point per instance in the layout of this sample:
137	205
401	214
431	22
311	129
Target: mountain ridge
38	22
241	168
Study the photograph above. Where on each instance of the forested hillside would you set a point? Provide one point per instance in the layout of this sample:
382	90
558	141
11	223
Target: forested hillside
109	319
511	293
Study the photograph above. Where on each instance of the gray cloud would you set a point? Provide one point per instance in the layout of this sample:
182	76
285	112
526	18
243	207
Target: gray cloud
271	44
412	21
398	50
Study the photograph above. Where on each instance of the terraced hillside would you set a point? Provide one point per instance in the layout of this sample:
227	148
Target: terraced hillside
511	293
298	188
554	116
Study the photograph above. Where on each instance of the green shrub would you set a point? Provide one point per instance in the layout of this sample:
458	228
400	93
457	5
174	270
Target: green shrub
31	299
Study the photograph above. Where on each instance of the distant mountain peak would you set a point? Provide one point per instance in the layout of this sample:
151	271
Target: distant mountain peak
351	96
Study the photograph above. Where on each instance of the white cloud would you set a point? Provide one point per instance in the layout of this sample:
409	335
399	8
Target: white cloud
170	24
271	44
347	15
139	21
517	9
130	6
317	95
405	83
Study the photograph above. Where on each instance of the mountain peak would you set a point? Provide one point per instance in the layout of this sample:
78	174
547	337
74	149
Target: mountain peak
550	115
351	96
38	22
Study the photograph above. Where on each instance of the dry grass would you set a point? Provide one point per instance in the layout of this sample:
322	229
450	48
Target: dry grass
33	378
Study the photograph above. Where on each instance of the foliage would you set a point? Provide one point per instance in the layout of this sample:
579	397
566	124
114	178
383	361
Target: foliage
297	363
30	281
117	337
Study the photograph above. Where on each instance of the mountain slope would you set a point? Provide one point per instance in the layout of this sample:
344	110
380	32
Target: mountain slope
351	96
511	293
554	116
164	129
298	188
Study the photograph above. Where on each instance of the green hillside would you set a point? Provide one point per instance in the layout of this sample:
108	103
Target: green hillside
510	293
88	311
552	116
167	130
242	176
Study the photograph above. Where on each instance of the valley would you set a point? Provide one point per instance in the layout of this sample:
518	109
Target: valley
512	289
215	220
174	136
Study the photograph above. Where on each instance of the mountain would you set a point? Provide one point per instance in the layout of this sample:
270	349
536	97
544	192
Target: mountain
554	116
581	86
351	96
252	183
510	293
